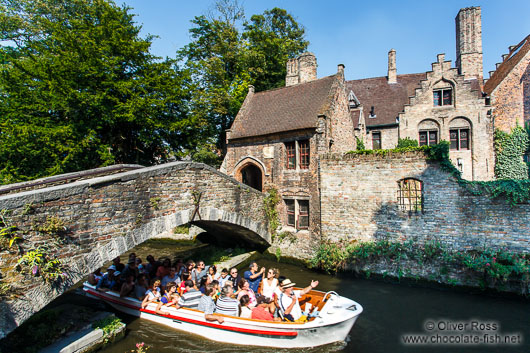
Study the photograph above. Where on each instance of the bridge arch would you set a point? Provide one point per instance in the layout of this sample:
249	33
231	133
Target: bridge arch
107	216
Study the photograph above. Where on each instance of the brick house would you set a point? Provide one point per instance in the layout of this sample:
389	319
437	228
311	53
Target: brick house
509	88
445	103
278	136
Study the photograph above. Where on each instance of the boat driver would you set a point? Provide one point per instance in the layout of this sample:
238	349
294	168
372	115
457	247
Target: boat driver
289	305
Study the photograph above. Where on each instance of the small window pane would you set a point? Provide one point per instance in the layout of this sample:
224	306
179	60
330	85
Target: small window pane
454	139
433	137
290	148
447	97
304	154
464	139
437	95
423	138
303	216
290	212
410	195
376	140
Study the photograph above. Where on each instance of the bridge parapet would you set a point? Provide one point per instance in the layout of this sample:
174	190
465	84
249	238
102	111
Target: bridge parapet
106	216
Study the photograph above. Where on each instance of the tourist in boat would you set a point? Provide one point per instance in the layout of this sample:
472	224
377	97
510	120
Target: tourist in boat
262	310
153	293
94	277
128	286
207	305
117	264
164	269
108	280
172	277
179	265
191	298
246	312
203	283
253	276
141	287
130	269
142	270
215	285
234	277
288	300
226	304
244	289
270	283
223	278
198	272
212	273
152	266
170	296
185	276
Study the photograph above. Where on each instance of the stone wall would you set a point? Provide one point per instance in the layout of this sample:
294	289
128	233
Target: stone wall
359	202
105	217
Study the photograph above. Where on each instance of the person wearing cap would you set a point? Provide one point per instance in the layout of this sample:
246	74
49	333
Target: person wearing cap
117	264
108	280
288	300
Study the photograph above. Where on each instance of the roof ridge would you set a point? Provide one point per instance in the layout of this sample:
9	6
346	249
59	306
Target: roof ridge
298	84
373	78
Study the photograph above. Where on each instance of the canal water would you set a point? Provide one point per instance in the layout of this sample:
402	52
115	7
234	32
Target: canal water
391	311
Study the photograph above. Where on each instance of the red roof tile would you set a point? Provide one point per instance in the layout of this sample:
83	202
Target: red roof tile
283	109
388	99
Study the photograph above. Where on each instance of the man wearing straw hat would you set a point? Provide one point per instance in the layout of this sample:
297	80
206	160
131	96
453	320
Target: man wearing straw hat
289	305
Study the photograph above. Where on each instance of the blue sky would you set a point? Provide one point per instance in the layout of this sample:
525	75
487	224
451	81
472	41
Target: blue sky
358	34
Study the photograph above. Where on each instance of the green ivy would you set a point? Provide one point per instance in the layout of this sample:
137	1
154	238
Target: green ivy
509	150
359	143
407	142
272	198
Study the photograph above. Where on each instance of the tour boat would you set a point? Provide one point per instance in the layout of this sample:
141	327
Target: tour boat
336	316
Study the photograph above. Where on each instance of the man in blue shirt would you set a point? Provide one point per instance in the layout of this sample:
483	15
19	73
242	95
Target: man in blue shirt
253	276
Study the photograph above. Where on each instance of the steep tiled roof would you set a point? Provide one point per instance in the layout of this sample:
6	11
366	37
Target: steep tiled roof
283	109
388	99
514	57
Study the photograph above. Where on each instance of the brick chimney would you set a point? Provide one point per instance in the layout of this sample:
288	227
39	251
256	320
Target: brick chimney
302	69
469	42
392	72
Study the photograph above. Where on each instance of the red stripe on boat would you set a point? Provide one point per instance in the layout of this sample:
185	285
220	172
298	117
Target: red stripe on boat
203	323
224	327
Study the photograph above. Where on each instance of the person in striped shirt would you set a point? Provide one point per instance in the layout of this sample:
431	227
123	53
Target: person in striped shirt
226	304
207	305
190	299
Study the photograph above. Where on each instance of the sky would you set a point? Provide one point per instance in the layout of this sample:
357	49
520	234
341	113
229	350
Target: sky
358	34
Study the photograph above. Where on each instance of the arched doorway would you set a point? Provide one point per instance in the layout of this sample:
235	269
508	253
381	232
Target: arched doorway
251	176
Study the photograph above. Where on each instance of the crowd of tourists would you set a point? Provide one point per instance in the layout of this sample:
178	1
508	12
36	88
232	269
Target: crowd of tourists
258	294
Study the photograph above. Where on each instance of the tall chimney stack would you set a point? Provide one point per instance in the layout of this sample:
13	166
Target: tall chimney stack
469	43
392	72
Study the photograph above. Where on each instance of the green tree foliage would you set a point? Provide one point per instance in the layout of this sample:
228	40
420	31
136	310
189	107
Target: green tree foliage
509	149
225	56
79	89
407	142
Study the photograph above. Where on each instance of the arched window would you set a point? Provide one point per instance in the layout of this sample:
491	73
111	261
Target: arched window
443	93
410	195
429	132
459	134
251	176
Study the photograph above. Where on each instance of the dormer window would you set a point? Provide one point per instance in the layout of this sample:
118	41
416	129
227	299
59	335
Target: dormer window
443	97
353	102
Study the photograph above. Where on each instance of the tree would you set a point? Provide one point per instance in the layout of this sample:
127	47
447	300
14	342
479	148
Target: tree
224	60
79	89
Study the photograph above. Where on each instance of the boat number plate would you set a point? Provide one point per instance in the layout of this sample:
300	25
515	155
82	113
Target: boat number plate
353	307
177	321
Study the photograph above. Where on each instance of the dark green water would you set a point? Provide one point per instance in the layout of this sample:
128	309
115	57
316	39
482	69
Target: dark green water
390	311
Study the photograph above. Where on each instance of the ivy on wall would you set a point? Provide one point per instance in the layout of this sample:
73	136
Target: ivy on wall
509	150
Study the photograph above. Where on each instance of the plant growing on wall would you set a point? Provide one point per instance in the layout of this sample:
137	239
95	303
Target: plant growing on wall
360	144
38	262
509	150
9	234
407	142
270	202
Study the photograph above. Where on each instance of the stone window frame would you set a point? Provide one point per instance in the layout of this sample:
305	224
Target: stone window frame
428	139
442	97
297	212
299	152
410	196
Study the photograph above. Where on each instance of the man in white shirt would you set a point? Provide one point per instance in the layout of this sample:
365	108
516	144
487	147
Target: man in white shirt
289	305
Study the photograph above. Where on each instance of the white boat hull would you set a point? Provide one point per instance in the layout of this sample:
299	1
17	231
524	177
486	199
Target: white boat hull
333	324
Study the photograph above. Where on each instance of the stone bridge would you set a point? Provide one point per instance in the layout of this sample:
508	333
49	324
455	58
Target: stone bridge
88	222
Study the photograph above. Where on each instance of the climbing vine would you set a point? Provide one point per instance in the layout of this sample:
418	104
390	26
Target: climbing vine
271	200
359	143
407	142
509	149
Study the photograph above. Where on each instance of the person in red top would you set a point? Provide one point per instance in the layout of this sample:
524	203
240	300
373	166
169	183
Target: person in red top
261	311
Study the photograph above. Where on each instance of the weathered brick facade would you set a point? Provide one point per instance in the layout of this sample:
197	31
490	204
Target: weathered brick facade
360	202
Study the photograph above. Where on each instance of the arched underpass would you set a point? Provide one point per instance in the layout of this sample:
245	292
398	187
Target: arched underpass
106	216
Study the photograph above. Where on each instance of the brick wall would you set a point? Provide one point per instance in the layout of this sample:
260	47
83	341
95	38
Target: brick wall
359	201
511	98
